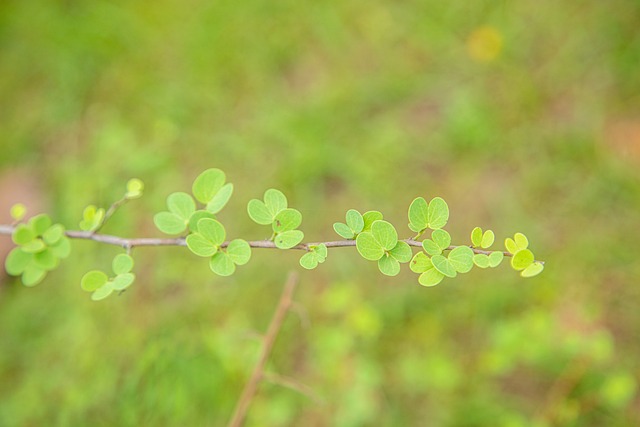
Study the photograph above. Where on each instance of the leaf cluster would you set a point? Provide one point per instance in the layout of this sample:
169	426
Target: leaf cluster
284	221
102	286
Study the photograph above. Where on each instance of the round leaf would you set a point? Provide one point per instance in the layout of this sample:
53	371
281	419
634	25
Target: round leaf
431	247
239	251
212	230
93	280
522	259
200	246
401	252
122	263
388	265
259	212
322	252
22	235
521	241
207	185
438	213
420	263
481	260
18	211
197	216
275	201
17	261
287	219
369	218
441	238
476	236
369	247
40	223
495	258
418	214
309	260
288	239
33	275
53	234
102	292
462	259
221	198
343	230
169	223
135	187
430	277
444	266
46	260
355	221
123	281
532	270
62	249
182	205
34	246
222	264
385	234
511	246
487	239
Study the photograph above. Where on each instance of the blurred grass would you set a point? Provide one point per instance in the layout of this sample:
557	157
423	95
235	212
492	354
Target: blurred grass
342	105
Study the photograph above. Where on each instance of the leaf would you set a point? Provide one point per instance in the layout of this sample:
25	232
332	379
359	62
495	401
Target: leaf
487	239
135	187
369	218
522	259
309	260
385	234
322	252
259	212
444	266
239	251
438	213
169	223
275	201
369	247
495	258
521	241
182	205
53	234
91	218
46	260
40	223
221	199
102	292
355	221
476	236
197	216
34	246
388	265
62	249
462	259
207	185
200	245
420	263
17	261
343	230
18	211
22	235
510	245
441	238
481	260
532	270
287	219
288	239
123	281
431	247
430	277
212	230
122	263
222	264
93	280
33	275
418	214
401	252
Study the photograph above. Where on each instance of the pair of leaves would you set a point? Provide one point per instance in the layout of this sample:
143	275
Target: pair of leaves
210	189
356	223
523	259
381	244
482	240
41	246
284	221
316	255
92	218
433	270
492	260
440	241
135	188
423	215
207	242
102	286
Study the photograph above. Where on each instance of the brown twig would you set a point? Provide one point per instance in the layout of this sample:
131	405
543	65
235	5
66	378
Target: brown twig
269	339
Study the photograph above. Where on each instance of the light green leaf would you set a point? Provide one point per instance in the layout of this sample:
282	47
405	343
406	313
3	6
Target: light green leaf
102	292
487	239
481	260
18	211
369	218
401	252
93	280
385	234
33	275
91	218
17	261
355	221
431	247
462	259
23	234
532	270
441	238
430	277
309	260
53	234
476	236
322	252
511	246
207	185
62	249
34	246
182	205
369	247
444	266
288	239
438	213
222	264
239	251
418	215
169	223
521	241
123	281
343	230
495	259
522	259
197	216
287	219
40	223
46	260
212	230
135	187
259	212
275	201
420	263
122	263
221	198
388	265
200	245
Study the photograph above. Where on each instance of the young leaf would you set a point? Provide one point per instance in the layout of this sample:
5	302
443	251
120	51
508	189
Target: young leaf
420	263
495	258
522	259
46	260
401	252
17	261
388	265
343	230
322	252
521	241
418	215
22	235
33	275
438	213
34	246
355	221
275	201
239	251
287	219
288	239
18	211
102	292
222	264
40	223
431	247
135	188
481	260
259	212
169	223
444	266
532	270
53	234
182	205
91	218
123	281
309	260
212	230
385	234
462	259
207	185
221	198
62	249
122	263
476	236
93	280
487	239
369	218
369	247
431	277
441	238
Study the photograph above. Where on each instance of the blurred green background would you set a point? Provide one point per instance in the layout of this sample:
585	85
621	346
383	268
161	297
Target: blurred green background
524	116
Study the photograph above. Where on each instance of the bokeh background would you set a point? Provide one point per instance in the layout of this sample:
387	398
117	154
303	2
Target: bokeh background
524	116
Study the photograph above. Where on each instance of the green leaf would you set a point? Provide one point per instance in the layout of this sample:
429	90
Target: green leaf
369	218
322	252
521	241
532	270
207	185
201	246
46	260
476	236
388	265
33	275
487	239
385	234
438	213
431	247
275	201
511	246
401	252
18	211
222	264
91	218
34	246
169	223
62	249
481	260
287	219
135	187
123	281
259	212
221	198
197	216
309	260
102	292
182	205
288	239
462	259
444	266
369	247
343	230
239	251
17	261
212	230
93	280
355	221
522	259
22	235
122	263
430	277
40	223
53	234
420	263
441	238
418	214
495	259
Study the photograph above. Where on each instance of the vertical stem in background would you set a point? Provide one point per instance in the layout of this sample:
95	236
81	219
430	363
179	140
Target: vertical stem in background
269	339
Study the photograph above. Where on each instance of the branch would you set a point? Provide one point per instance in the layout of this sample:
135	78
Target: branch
269	339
